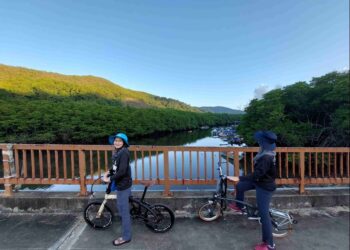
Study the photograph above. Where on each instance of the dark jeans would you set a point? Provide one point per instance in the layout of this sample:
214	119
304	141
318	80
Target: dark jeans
263	199
124	212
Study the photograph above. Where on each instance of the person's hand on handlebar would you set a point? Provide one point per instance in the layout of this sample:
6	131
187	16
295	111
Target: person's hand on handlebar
233	178
106	178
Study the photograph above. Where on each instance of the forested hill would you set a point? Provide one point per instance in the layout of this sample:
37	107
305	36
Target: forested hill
219	109
42	107
39	84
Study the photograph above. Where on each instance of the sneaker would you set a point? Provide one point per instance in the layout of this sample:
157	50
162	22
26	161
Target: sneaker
264	246
254	216
261	246
235	208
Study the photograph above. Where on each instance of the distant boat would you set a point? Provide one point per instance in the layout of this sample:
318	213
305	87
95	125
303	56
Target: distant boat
235	140
226	134
215	132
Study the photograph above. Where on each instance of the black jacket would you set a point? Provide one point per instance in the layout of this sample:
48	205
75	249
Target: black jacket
264	173
122	176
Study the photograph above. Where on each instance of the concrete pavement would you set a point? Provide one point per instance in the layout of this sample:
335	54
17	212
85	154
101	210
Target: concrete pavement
323	228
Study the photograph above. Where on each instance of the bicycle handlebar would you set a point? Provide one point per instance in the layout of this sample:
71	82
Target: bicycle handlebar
92	185
220	168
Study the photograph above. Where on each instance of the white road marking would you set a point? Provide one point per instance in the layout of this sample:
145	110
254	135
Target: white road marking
68	239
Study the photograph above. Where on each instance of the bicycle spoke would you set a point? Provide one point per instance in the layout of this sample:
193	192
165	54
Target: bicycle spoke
92	218
161	219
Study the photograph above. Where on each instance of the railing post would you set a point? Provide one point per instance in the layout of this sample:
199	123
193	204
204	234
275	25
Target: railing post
8	161
166	174
235	168
302	173
82	172
236	162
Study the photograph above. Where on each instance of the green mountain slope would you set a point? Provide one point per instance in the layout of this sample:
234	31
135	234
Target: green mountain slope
42	107
221	110
37	83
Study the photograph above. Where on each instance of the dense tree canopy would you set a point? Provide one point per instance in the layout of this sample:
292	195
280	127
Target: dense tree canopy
63	120
304	114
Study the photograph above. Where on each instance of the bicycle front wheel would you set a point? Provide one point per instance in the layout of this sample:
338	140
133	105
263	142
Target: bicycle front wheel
281	224
98	222
161	220
210	211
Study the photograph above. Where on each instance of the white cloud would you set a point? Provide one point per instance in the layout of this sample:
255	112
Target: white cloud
260	91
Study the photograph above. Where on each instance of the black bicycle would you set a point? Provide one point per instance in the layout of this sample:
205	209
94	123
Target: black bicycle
157	217
281	221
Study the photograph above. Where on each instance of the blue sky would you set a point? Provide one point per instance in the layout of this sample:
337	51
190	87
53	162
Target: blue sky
204	53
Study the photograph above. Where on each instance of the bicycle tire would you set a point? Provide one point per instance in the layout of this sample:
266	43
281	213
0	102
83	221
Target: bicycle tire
163	221
281	227
90	213
209	211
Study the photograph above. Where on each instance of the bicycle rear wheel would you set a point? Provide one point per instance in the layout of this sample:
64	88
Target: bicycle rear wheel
162	220
91	218
281	223
210	211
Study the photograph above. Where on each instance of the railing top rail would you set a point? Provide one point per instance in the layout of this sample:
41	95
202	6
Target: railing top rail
313	149
3	146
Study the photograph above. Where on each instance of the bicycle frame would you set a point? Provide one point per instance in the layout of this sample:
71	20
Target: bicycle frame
107	197
287	219
210	211
157	217
140	202
221	192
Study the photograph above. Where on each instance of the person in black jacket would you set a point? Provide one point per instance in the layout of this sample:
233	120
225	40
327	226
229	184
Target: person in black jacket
120	178
263	180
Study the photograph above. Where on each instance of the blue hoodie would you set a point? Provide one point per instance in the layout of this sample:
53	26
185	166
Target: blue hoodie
264	174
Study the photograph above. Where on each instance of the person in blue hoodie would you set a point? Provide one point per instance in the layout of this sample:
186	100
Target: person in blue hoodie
263	181
120	180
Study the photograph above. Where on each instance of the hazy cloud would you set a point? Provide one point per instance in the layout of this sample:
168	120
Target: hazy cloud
260	91
278	86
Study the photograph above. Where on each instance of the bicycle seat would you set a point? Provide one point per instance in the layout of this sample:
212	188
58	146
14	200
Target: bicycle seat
148	183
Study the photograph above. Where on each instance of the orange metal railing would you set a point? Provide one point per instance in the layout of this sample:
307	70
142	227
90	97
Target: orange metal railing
35	164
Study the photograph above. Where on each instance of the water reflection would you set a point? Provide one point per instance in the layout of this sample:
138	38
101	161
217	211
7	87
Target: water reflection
184	165
173	139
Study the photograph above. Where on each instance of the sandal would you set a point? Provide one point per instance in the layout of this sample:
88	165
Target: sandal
120	241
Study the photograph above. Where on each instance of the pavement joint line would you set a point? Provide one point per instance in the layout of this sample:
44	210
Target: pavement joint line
71	236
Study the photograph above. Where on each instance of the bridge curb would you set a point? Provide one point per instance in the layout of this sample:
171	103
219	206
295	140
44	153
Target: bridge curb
185	204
